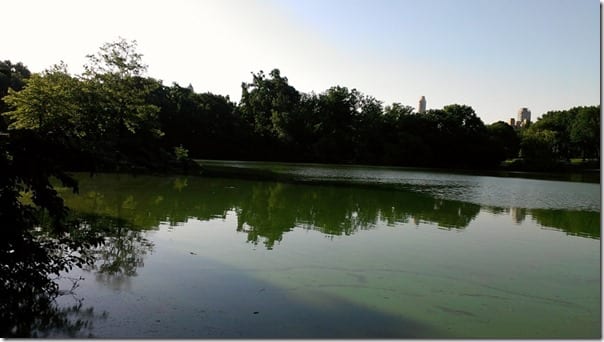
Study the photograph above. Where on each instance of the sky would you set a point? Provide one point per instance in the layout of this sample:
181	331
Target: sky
495	56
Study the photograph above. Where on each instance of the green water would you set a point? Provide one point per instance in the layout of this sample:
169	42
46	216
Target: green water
342	252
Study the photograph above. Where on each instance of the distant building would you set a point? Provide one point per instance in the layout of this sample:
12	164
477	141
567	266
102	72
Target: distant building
421	108
524	117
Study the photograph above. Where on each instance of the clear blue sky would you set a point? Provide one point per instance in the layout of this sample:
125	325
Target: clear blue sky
495	56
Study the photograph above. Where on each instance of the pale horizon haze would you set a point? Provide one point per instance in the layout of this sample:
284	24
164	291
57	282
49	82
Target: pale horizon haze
495	56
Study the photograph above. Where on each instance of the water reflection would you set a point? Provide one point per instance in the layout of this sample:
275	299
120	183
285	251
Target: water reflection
267	210
35	305
578	223
121	208
121	253
28	309
36	298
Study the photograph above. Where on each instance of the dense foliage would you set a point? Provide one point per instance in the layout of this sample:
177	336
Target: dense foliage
113	117
562	135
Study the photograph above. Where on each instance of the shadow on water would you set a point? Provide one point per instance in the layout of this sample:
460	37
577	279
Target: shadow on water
218	301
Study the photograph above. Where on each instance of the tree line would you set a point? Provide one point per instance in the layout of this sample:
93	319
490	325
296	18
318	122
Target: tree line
112	117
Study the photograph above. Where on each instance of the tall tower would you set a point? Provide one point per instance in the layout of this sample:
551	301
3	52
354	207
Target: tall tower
421	108
524	116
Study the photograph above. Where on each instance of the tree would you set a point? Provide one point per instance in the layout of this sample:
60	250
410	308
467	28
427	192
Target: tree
106	115
268	104
585	132
304	128
125	123
369	126
504	139
49	104
538	146
460	137
121	94
12	76
395	111
403	135
337	109
563	134
119	59
461	119
205	124
558	124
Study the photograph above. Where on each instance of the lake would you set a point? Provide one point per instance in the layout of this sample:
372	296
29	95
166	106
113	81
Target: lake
312	251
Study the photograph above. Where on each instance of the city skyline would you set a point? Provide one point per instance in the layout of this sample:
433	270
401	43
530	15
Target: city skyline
494	56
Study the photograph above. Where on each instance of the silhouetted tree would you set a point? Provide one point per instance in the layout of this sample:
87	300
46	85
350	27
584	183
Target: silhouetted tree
504	139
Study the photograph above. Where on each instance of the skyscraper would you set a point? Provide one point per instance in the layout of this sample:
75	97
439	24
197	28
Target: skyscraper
524	116
421	108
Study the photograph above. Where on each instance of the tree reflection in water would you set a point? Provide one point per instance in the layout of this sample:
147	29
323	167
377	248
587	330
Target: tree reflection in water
33	281
122	252
35	305
267	210
573	222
